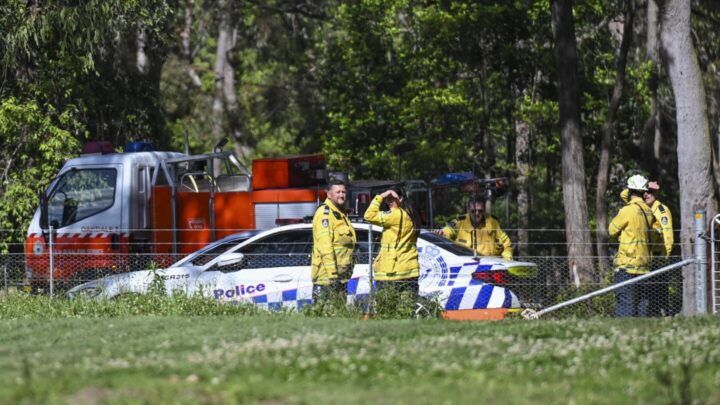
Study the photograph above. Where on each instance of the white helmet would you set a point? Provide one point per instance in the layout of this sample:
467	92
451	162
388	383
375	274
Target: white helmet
637	182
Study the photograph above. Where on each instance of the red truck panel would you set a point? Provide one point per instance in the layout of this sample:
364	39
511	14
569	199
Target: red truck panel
233	213
295	171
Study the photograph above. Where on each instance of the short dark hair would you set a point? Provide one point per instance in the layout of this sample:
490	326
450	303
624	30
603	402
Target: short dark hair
335	182
473	201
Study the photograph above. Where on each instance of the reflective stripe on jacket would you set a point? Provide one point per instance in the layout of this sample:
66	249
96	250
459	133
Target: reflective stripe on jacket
487	239
333	244
632	226
398	258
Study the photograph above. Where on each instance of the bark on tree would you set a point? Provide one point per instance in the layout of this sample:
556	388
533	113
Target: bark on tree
608	131
225	107
218	103
186	35
577	226
695	173
651	137
141	61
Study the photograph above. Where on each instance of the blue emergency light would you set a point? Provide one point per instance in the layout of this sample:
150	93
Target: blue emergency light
139	147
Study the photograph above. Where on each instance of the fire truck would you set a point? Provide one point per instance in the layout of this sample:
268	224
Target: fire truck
112	212
109	212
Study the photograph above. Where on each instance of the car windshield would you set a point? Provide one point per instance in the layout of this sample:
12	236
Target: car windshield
446	244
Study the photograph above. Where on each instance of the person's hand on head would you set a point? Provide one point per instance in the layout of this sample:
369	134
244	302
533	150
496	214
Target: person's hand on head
653	185
390	193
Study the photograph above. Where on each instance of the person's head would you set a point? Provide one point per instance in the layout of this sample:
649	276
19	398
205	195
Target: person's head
649	195
398	202
638	185
337	192
476	209
403	203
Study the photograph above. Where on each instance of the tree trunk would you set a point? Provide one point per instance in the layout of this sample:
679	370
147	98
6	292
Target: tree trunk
141	59
522	163
694	146
651	137
577	230
608	131
232	109
186	42
218	104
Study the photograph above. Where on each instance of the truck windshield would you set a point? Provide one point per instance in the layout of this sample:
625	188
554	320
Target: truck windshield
81	193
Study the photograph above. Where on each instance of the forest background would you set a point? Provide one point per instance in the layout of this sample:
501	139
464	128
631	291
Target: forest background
564	99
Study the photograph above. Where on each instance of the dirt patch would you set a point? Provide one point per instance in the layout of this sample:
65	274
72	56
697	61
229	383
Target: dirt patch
91	396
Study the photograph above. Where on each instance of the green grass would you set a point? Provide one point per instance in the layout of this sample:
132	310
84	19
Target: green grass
86	355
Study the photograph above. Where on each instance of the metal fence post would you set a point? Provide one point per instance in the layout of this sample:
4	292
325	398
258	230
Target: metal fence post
713	267
5	278
701	264
52	261
370	270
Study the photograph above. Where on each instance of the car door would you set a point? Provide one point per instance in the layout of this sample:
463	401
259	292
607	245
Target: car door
267	273
359	284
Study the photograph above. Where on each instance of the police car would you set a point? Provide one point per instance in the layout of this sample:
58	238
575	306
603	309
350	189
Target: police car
272	269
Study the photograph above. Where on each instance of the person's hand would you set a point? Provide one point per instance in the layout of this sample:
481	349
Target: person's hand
653	185
438	232
390	193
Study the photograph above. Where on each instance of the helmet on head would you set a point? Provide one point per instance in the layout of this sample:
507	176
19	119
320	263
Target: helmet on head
637	182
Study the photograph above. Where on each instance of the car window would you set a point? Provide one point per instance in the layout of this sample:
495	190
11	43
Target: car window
361	248
446	244
284	249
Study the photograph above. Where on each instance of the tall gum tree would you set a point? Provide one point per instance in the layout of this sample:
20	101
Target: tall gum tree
695	173
577	229
608	132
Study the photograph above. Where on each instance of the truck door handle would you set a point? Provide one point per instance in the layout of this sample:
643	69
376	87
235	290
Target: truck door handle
114	241
283	278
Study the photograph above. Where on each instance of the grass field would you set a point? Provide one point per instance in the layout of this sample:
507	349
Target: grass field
81	356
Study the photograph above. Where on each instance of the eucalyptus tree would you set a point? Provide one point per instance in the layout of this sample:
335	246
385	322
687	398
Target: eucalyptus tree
694	147
577	225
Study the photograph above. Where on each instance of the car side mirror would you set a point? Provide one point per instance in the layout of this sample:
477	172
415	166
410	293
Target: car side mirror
229	259
43	210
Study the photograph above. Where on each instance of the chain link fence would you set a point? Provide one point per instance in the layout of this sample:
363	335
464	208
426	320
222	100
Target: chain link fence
25	268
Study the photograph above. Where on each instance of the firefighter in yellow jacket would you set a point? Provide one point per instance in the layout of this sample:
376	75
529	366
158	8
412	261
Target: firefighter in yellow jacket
661	248
397	263
633	227
662	243
479	232
333	242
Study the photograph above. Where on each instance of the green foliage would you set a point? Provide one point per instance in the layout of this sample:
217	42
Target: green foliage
353	80
37	140
76	56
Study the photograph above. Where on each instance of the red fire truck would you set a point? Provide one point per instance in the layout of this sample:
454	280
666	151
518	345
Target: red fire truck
104	210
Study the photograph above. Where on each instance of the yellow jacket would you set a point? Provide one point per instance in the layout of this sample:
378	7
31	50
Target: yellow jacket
487	239
664	239
398	258
333	244
633	228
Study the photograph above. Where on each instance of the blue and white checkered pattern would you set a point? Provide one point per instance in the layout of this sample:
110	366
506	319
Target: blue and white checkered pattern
469	293
290	299
455	290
